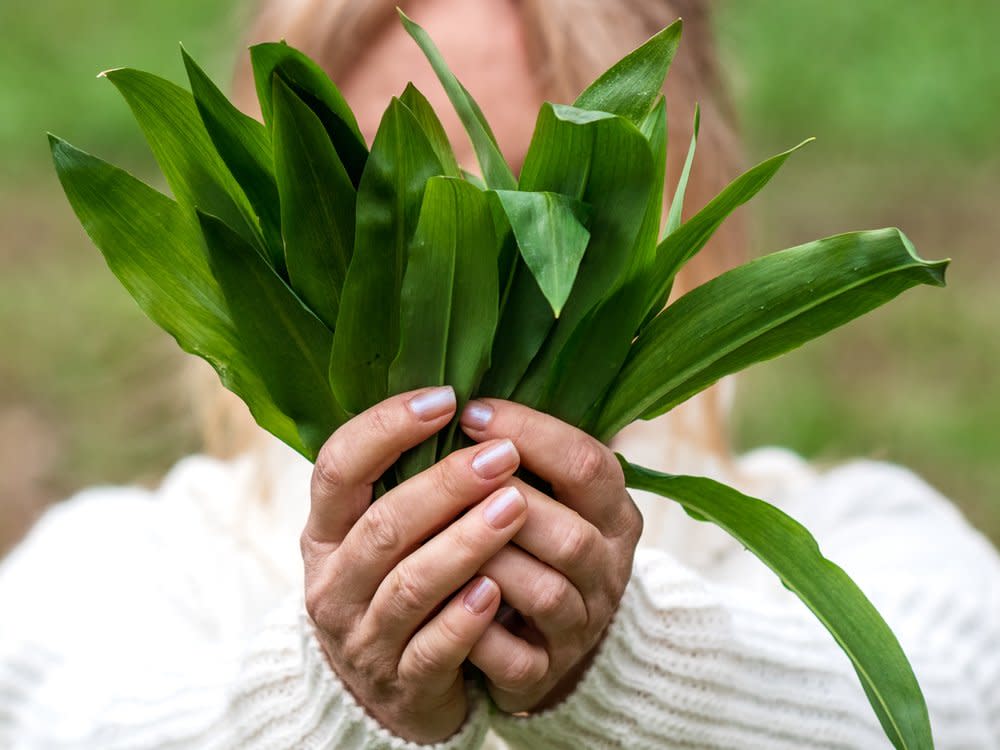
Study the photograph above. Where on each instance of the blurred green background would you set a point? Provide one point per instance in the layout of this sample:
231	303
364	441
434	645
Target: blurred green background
904	98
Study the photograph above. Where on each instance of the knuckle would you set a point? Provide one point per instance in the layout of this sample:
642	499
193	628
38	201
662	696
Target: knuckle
424	660
381	531
589	462
575	546
405	592
550	596
328	476
447	478
521	672
379	423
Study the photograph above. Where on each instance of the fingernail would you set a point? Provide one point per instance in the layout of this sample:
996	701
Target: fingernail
498	459
477	415
434	403
479	598
505	508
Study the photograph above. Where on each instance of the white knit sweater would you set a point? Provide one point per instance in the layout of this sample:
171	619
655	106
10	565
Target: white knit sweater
174	619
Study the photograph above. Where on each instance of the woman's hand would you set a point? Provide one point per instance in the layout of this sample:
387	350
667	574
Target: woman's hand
569	564
376	576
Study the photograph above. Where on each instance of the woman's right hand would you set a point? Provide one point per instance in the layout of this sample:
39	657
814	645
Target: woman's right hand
377	574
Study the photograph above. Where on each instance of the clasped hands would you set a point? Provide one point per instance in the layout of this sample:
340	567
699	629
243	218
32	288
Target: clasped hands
404	591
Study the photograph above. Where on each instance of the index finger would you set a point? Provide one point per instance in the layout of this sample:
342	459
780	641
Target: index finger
362	449
582	471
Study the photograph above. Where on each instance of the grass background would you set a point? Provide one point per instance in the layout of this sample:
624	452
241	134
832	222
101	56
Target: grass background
903	97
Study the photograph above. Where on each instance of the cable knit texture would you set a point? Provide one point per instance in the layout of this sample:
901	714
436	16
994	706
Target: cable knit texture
135	619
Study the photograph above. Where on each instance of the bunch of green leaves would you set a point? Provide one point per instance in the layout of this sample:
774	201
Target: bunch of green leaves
319	275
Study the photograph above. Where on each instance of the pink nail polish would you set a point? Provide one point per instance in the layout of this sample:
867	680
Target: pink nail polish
505	508
433	404
495	460
477	415
479	598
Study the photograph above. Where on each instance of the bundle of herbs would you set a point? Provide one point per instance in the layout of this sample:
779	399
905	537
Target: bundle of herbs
319	276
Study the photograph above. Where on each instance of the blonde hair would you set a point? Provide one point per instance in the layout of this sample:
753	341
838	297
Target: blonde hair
569	42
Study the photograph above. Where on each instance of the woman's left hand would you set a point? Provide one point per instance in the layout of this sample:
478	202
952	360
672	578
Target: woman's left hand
568	566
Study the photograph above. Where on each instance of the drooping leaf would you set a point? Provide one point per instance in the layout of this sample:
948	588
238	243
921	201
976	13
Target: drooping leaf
145	238
788	549
417	103
448	307
614	172
314	87
605	162
496	173
758	311
367	334
245	148
285	343
631	86
598	346
677	204
194	170
678	247
552	238
317	204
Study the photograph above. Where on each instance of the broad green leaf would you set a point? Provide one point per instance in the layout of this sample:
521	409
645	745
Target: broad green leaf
496	173
317	204
551	235
787	548
389	197
678	247
631	86
677	204
194	170
245	148
448	307
285	343
612	171
145	238
758	311
433	129
598	346
313	86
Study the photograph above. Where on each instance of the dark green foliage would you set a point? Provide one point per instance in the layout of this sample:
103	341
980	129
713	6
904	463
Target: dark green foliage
318	278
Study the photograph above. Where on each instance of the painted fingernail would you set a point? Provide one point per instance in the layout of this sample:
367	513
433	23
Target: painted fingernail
495	460
433	404
477	415
505	508
479	598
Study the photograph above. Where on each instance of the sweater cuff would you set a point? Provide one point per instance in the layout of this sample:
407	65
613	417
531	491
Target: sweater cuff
291	697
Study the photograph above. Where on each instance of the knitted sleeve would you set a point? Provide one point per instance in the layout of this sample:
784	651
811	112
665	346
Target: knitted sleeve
736	661
110	638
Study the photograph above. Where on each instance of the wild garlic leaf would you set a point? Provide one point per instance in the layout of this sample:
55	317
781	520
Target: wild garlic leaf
677	204
756	312
678	247
598	346
609	166
313	86
283	340
631	86
366	338
196	174
317	204
245	147
417	103
552	237
145	238
787	548
496	172
448	302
